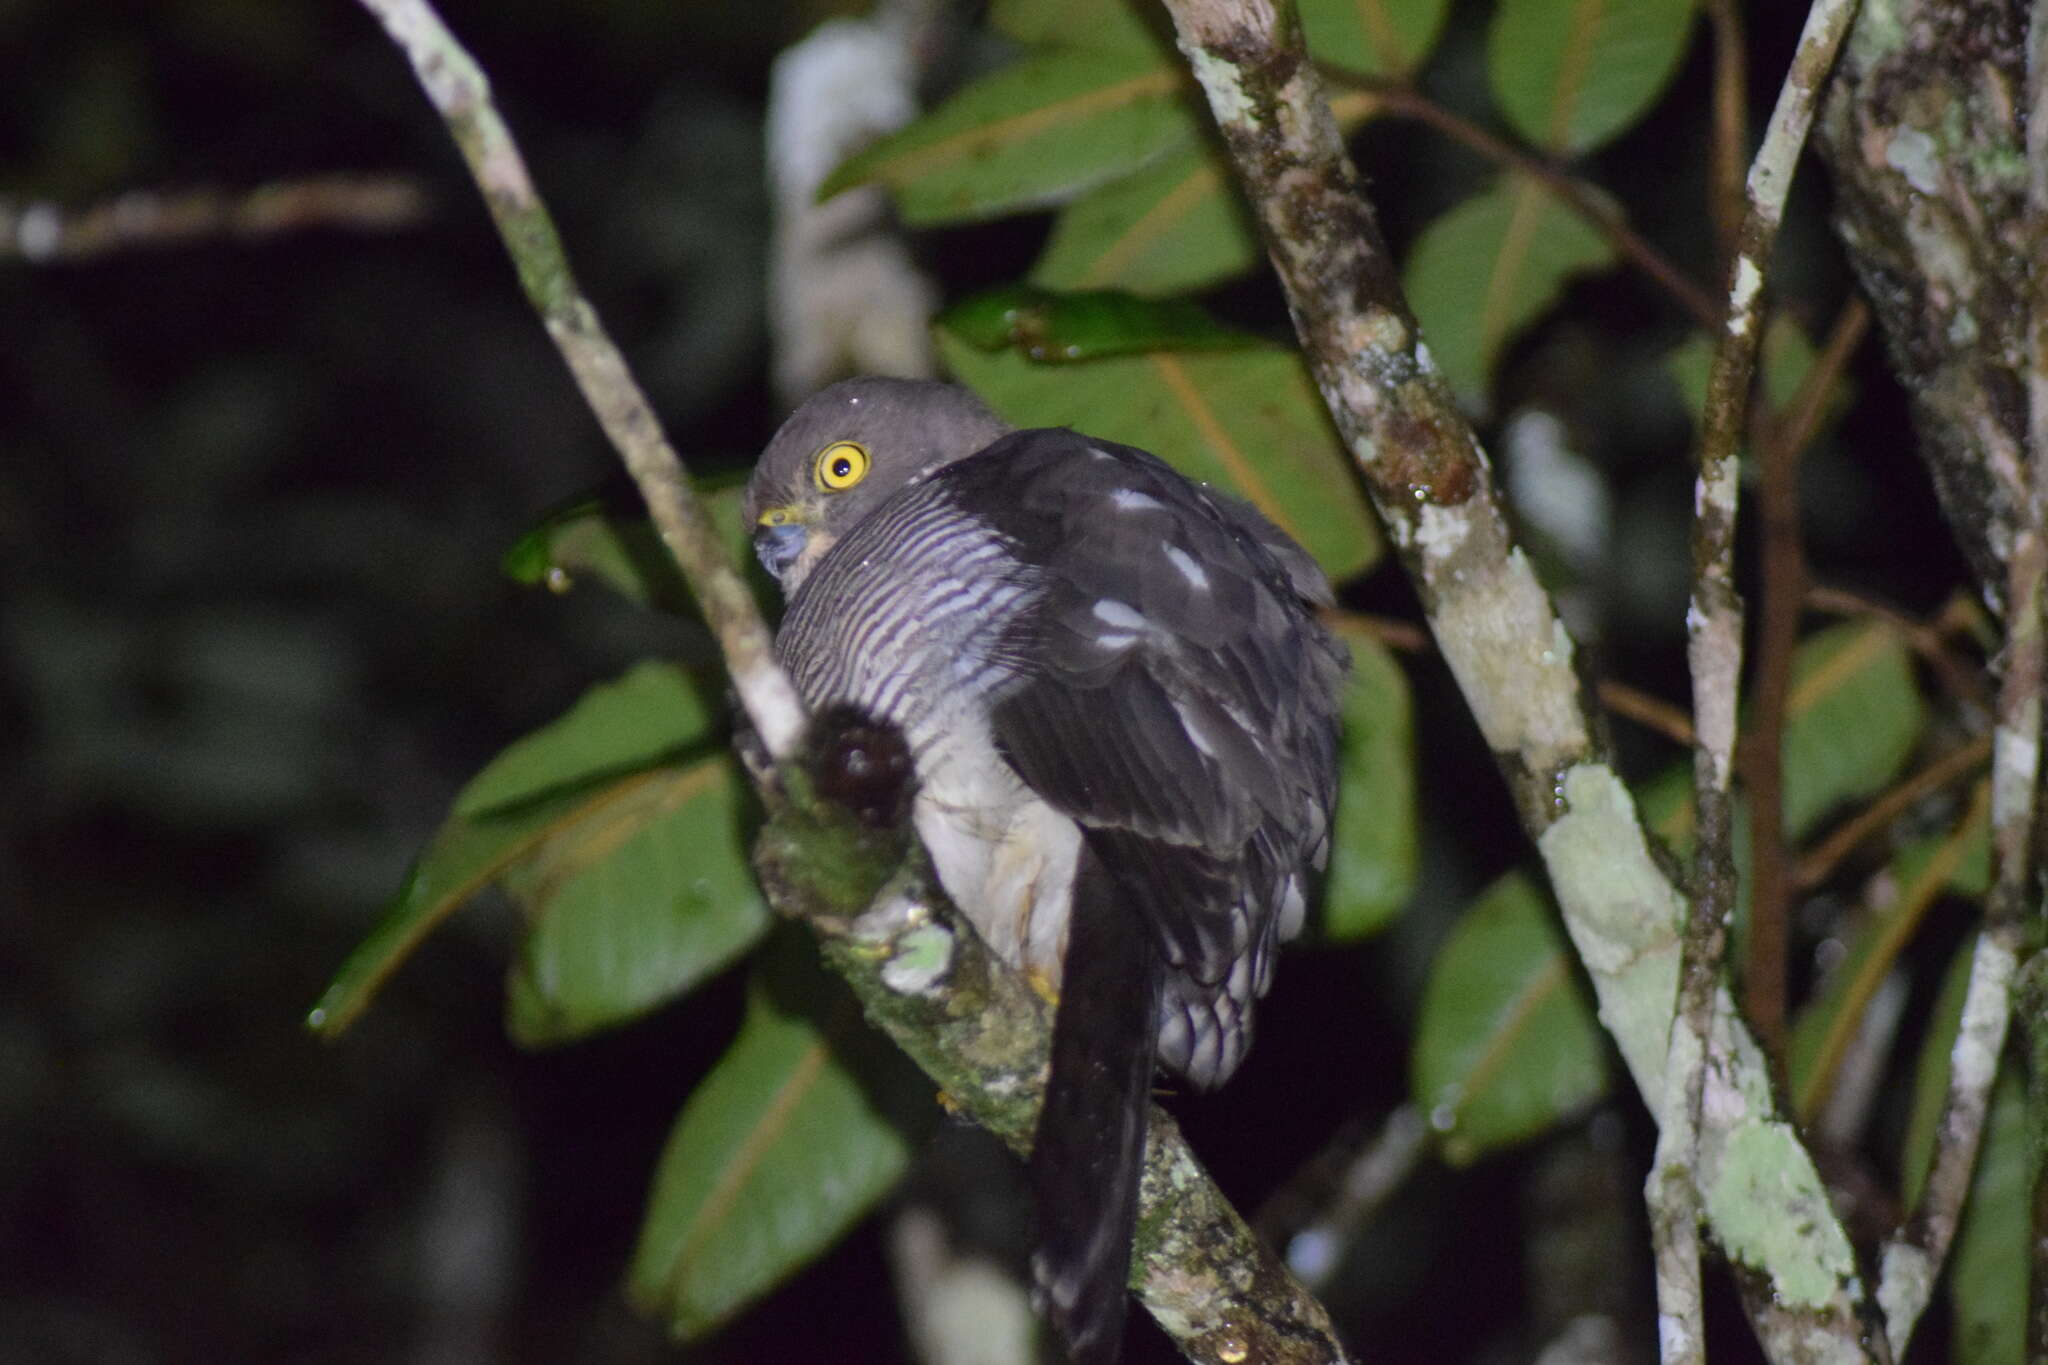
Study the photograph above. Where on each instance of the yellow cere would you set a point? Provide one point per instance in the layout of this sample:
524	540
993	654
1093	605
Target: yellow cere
840	466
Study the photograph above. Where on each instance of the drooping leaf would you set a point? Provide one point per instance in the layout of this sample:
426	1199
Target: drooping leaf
1373	846
634	906
1173	226
1057	329
1988	1271
802	1126
545	820
1112	24
621	549
1249	421
1491	266
1507	1043
1931	1075
1570	74
1375	37
1959	861
1042	129
1854	716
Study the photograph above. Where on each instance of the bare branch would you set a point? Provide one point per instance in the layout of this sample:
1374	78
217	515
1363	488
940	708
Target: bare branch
457	88
41	233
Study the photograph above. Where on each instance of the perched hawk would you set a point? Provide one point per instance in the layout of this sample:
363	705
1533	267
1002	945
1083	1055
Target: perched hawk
1122	712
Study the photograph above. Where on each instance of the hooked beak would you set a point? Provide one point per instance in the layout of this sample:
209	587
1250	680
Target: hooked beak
778	539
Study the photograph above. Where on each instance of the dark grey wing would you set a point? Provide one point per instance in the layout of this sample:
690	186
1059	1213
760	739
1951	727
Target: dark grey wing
1177	698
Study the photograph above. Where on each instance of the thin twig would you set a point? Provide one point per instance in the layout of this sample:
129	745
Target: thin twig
458	90
41	232
1729	142
1899	922
1783	589
1645	709
1818	865
1588	201
1651	712
1714	652
1959	677
1318	1213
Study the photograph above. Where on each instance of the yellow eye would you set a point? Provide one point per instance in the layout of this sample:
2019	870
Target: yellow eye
840	466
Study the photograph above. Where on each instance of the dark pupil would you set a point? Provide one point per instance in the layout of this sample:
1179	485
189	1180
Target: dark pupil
841	467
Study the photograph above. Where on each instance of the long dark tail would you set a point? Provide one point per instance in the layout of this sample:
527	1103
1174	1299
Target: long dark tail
1090	1145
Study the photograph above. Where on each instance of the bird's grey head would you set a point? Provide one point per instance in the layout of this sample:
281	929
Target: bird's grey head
842	453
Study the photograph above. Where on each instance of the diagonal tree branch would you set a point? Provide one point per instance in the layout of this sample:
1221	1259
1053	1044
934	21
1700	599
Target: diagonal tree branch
921	972
459	91
1514	661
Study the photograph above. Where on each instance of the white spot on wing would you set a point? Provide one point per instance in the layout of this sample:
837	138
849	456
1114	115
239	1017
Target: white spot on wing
1131	500
1121	615
1195	574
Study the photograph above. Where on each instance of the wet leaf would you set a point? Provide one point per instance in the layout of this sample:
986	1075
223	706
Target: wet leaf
1507	1043
1570	74
800	1128
1490	267
633	905
1043	129
1373	848
1249	421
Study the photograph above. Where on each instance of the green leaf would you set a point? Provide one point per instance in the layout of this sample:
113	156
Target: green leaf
1570	74
1931	1074
654	712
801	1127
1248	420
1038	131
629	773
1059	329
1507	1043
1118	25
1175	225
1488	268
1988	1272
1373	848
634	905
1854	717
621	549
1375	37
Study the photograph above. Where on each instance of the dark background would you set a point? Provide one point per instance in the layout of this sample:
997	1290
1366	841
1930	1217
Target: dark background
253	636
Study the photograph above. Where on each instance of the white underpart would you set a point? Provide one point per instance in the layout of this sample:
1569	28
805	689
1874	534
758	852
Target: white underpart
1003	855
